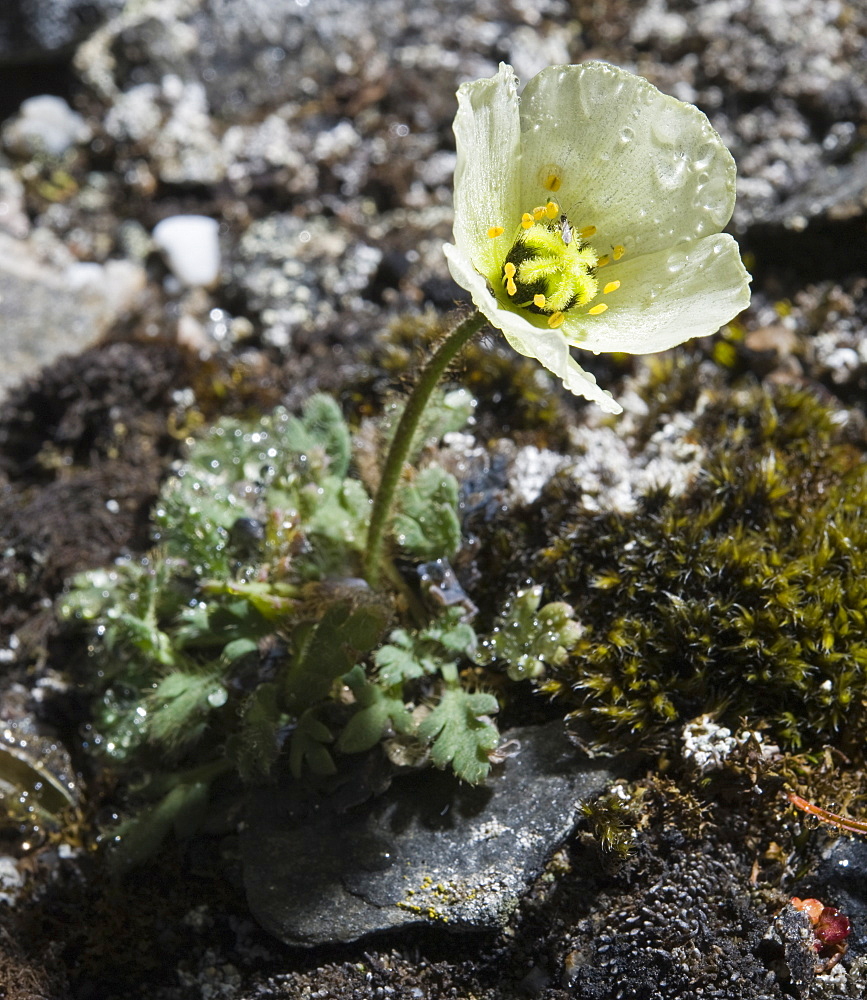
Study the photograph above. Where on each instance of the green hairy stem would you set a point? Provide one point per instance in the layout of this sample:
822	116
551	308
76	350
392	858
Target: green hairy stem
403	438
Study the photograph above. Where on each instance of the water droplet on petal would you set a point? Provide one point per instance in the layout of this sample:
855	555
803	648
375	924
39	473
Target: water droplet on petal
676	261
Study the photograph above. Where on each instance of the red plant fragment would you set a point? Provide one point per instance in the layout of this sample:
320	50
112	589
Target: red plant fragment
830	930
812	907
851	825
832	927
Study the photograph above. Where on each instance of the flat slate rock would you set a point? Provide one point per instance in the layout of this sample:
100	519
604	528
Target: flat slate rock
430	849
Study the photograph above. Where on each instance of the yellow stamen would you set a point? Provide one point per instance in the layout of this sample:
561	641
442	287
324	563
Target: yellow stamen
539	212
618	251
556	319
527	220
495	231
603	260
596	310
587	232
509	270
539	301
552	209
612	286
552	182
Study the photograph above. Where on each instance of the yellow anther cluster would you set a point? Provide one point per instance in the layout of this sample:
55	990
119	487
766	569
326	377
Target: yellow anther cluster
552	182
553	254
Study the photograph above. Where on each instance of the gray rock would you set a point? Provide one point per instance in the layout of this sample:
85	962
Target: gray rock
31	29
835	193
53	304
257	53
429	850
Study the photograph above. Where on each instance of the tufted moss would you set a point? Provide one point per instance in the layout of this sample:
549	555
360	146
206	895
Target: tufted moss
745	596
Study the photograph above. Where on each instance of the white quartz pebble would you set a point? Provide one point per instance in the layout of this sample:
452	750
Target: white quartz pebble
191	247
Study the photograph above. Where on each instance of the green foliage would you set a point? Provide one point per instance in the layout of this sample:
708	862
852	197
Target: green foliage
614	818
453	729
140	837
308	746
458	730
244	642
245	489
175	802
178	708
444	413
526	638
413	654
379	709
255	747
747	594
327	649
426	525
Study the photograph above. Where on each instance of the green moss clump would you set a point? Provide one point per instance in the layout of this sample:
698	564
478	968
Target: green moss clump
745	596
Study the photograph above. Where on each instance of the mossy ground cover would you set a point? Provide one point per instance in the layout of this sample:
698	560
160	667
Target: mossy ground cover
744	596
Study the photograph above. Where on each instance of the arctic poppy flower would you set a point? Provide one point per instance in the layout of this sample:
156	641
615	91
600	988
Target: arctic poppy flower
588	214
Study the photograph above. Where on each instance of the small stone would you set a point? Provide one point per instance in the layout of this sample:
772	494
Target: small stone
45	124
191	247
13	213
11	879
428	850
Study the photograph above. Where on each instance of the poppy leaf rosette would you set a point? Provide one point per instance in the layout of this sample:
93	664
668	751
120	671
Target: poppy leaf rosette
588	213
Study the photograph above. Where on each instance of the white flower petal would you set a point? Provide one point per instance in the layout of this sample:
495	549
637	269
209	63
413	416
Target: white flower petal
549	347
487	189
646	169
665	298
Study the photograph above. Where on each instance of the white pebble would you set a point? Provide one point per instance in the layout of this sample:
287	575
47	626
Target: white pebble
192	248
46	124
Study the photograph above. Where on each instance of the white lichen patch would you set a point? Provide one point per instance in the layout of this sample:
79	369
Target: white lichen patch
489	830
614	471
707	745
533	467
